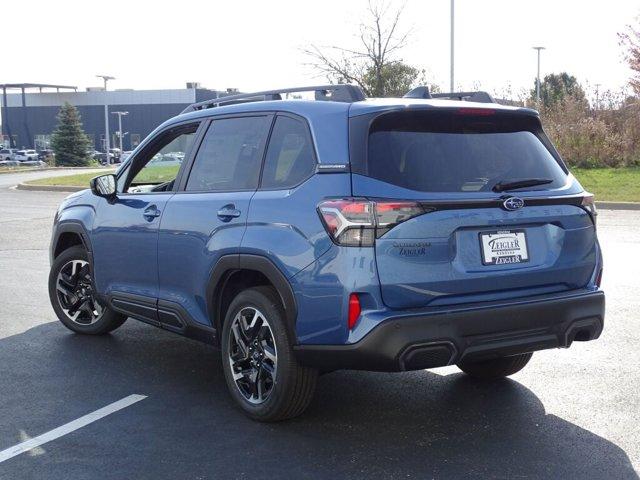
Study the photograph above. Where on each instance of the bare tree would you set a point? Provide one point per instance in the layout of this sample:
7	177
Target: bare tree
630	39
372	64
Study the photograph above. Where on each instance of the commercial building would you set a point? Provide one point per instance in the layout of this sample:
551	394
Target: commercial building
29	116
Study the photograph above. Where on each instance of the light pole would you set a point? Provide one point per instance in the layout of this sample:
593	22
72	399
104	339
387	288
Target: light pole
451	84
120	115
106	78
538	77
597	105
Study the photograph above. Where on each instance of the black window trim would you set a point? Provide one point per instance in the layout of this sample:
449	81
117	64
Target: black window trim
313	150
149	143
182	185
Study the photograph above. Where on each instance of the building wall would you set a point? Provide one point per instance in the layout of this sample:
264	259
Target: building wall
147	109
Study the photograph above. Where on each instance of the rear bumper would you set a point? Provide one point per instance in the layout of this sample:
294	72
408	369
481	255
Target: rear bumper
471	333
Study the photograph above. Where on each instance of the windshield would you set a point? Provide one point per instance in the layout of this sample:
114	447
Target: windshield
458	153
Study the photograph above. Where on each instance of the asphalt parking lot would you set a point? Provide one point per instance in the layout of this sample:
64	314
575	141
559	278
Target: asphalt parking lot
570	414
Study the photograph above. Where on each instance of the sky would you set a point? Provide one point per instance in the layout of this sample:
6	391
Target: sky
254	45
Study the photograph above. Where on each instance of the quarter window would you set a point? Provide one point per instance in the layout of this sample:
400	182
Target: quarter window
290	158
230	155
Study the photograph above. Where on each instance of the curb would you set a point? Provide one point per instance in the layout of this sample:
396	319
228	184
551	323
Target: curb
49	188
618	205
46	169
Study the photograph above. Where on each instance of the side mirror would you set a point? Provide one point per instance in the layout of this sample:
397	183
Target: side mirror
104	186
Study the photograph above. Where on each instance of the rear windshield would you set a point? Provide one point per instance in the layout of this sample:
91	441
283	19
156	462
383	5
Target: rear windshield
457	152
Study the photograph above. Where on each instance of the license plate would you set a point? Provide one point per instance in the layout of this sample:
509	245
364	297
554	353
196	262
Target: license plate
504	247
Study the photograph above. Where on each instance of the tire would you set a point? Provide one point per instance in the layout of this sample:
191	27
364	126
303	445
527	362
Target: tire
495	368
255	331
71	281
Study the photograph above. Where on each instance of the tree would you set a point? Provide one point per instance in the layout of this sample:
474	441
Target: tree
69	142
556	86
372	65
630	39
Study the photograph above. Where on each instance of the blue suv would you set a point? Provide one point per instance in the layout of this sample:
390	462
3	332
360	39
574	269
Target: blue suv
339	232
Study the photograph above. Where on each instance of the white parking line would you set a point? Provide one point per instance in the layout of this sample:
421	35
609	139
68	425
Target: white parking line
69	427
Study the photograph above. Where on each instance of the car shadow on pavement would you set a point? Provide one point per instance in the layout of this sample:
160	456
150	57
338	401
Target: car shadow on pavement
360	425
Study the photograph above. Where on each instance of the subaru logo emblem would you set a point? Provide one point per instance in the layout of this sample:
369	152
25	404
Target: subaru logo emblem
513	203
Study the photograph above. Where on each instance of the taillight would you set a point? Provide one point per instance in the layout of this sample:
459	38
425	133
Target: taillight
589	204
354	310
358	222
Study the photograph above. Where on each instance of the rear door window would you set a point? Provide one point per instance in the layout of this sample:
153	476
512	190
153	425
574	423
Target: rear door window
230	155
452	152
290	158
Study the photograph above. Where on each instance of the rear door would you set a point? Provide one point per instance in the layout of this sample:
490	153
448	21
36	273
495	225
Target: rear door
467	240
207	216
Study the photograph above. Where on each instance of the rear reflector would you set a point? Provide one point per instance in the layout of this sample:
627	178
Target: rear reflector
354	310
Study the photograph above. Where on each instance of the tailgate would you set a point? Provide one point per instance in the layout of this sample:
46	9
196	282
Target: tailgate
445	257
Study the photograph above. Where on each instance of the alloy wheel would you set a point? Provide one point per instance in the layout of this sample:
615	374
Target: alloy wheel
74	288
252	355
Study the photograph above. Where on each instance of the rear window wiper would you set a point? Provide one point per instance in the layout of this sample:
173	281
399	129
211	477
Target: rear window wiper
504	185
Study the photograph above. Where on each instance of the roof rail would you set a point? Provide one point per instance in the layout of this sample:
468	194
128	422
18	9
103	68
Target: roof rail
480	97
418	92
334	93
423	92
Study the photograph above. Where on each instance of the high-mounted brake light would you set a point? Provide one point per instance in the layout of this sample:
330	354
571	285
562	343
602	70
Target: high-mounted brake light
476	111
358	222
354	310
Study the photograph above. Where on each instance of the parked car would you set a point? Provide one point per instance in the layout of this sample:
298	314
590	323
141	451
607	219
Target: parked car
308	236
45	154
25	155
102	157
125	155
7	153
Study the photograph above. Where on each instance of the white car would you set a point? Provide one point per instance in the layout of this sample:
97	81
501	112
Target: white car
25	155
7	153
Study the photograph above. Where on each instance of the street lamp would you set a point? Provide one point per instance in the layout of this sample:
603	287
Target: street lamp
106	78
120	115
538	76
452	38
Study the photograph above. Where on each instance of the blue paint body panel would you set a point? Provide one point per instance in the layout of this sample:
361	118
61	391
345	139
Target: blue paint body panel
125	245
191	241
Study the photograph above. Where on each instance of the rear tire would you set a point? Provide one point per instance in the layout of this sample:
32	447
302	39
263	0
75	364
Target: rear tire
495	368
262	373
72	295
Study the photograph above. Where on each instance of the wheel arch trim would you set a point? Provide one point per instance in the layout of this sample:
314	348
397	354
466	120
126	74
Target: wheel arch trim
228	264
70	226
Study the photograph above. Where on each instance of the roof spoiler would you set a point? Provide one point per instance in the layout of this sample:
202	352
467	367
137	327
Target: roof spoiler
331	93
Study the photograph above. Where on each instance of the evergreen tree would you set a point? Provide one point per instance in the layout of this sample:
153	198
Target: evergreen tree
69	142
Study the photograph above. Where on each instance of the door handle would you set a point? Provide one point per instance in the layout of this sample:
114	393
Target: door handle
228	212
151	212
